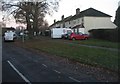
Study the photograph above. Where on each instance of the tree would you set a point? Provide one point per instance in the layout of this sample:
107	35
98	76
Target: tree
117	17
32	13
117	22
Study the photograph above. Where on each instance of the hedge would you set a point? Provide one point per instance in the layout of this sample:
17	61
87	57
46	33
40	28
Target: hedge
106	34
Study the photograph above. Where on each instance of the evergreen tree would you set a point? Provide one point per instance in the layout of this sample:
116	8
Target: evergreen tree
117	17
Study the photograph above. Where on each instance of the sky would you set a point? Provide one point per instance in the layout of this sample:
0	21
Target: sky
68	7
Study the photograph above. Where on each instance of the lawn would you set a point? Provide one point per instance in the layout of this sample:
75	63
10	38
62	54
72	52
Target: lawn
97	42
91	42
96	57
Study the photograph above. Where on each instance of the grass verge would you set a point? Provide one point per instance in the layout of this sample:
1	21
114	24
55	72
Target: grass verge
97	42
97	57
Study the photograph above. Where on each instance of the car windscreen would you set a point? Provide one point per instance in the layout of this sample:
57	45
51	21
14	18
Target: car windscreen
9	34
69	31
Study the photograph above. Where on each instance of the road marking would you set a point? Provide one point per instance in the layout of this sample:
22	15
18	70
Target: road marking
74	79
23	77
44	65
57	71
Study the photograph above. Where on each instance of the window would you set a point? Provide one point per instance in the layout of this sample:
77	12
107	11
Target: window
80	33
82	20
74	22
78	20
69	31
69	22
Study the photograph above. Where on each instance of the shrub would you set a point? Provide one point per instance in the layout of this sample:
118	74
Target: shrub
105	34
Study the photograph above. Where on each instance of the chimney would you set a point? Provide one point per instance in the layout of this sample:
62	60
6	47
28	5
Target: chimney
118	3
77	11
54	20
62	17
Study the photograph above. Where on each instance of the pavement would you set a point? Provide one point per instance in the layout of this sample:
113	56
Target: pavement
11	75
0	58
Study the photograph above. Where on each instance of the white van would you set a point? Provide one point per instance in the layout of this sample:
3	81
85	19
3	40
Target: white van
9	36
58	32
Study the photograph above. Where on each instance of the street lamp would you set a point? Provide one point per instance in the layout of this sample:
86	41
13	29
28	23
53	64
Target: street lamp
22	34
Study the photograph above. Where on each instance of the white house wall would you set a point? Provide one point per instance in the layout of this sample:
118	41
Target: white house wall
58	25
90	23
61	25
67	24
98	23
82	30
73	23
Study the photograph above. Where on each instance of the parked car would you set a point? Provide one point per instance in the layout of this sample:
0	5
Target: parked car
78	36
65	36
9	36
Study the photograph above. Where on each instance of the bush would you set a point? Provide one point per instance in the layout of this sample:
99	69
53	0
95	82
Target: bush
47	33
105	34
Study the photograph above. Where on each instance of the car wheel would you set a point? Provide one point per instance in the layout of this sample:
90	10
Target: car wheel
4	40
86	38
62	38
73	39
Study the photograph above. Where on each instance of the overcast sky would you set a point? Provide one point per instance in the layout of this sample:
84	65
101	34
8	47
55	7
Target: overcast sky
68	7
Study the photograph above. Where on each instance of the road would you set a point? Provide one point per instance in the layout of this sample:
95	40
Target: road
0	57
22	65
34	69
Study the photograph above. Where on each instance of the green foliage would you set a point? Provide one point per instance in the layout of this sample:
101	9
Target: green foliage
117	17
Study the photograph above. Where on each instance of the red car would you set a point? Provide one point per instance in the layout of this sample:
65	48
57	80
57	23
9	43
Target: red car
78	36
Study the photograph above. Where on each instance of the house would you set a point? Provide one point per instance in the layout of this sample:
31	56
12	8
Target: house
118	3
83	21
61	23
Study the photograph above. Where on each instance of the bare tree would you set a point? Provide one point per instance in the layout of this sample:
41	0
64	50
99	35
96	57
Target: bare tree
31	13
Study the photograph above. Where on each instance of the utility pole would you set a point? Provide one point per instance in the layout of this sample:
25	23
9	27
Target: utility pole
23	38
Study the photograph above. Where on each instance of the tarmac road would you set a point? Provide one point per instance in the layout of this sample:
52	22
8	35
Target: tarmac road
33	69
0	57
22	65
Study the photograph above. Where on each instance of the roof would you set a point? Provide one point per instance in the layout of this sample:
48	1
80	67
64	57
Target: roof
78	26
55	23
67	18
64	20
90	12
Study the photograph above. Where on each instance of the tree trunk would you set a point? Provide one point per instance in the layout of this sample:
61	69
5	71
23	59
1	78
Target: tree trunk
29	27
35	20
